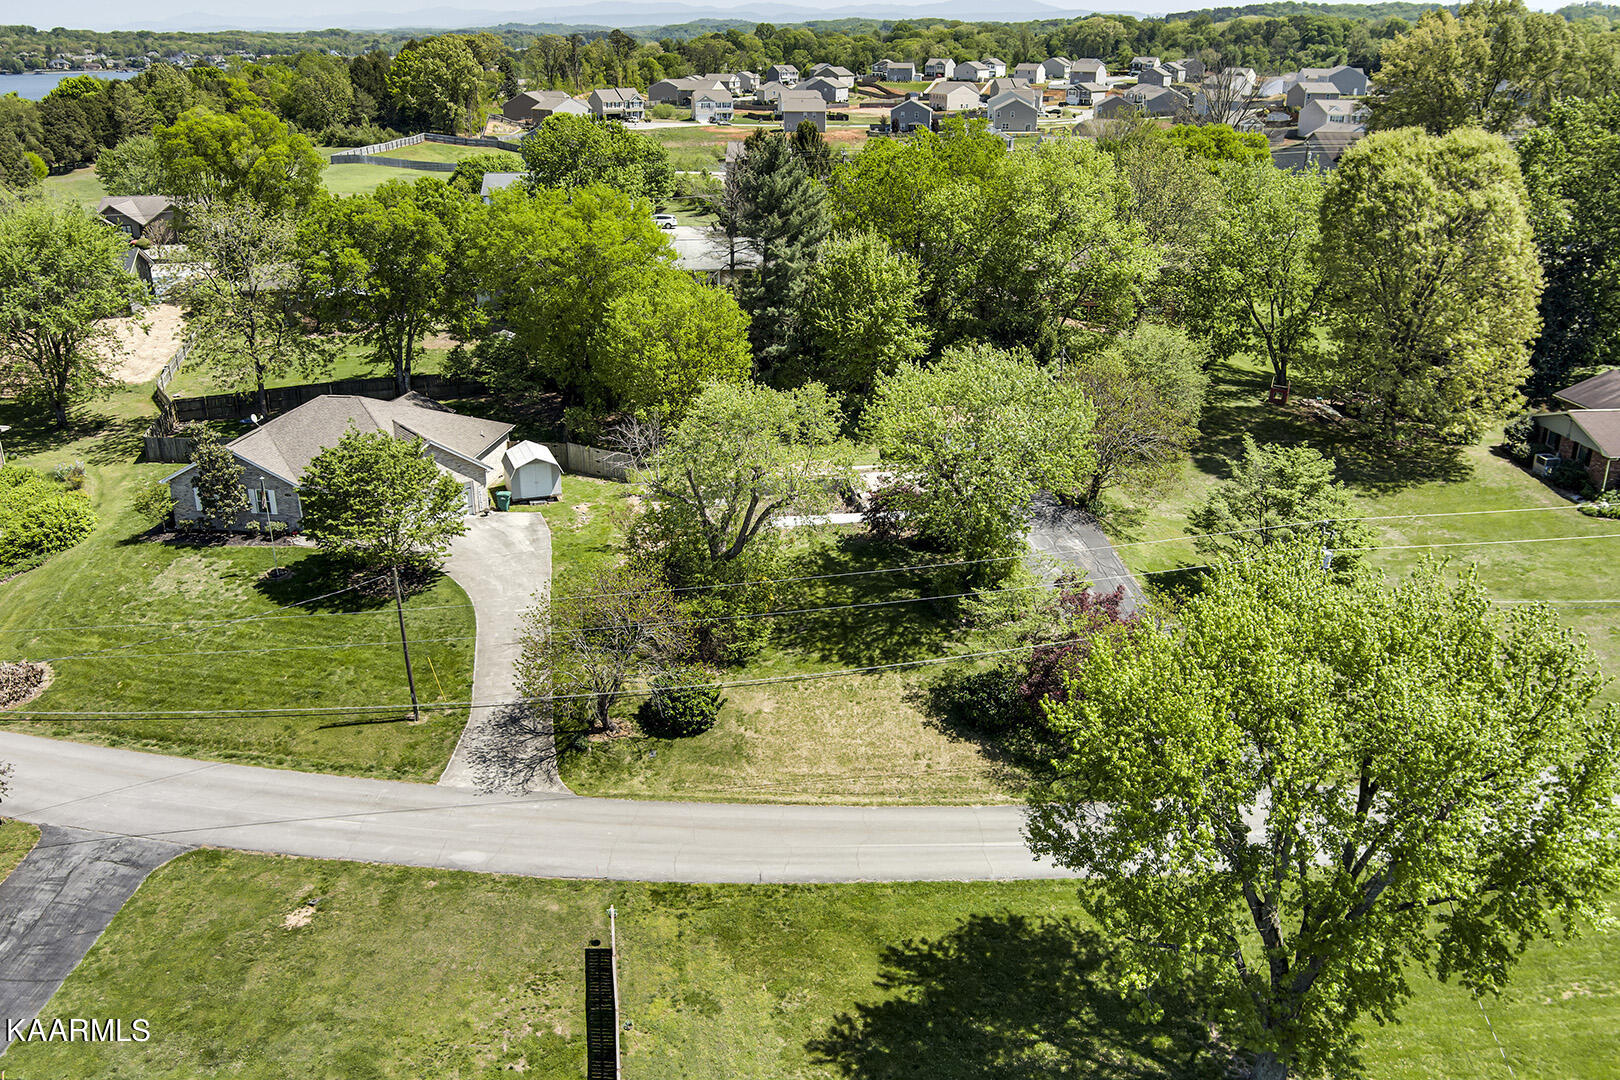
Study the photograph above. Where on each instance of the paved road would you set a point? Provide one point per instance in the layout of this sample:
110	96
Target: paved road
1074	538
502	562
55	905
180	801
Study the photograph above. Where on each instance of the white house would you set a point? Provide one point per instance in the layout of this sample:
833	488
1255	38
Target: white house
997	66
1334	114
939	67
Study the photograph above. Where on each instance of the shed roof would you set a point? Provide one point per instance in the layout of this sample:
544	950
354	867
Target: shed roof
525	453
1601	391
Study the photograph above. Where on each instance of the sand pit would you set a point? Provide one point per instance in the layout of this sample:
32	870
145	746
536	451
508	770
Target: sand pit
139	353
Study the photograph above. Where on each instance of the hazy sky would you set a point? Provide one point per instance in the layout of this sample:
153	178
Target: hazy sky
201	14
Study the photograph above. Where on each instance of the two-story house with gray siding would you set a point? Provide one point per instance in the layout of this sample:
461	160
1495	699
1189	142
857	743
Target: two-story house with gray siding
275	454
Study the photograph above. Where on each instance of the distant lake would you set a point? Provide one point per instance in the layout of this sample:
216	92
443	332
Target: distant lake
36	84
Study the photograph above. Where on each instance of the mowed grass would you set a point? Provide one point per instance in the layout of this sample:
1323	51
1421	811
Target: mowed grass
855	739
132	625
17	839
352	361
82	186
404	973
1501	519
449	152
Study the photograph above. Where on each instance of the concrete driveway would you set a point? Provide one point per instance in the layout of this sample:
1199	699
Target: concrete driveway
1074	538
503	563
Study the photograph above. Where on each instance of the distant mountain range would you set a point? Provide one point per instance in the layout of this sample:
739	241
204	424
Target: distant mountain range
595	16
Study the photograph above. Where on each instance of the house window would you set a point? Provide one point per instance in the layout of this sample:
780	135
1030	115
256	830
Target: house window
1583	455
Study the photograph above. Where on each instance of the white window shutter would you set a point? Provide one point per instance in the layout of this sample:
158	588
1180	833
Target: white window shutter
253	500
270	497
196	497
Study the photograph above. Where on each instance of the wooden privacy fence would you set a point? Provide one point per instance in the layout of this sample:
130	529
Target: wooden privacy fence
281	399
368	155
584	460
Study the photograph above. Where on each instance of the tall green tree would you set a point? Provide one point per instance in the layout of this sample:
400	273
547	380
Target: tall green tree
1429	251
61	277
241	299
566	151
860	313
250	154
1572	173
217	480
382	502
782	212
1258	285
1313	785
133	167
385	267
975	437
553	263
437	82
657	348
1276	495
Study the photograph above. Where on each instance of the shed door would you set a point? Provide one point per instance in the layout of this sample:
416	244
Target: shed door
471	487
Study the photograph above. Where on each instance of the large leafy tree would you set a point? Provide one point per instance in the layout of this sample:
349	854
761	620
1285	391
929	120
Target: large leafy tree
209	156
217	480
60	278
437	82
1487	65
1572	172
385	266
1430	254
552	263
133	167
381	502
1313	784
1148	390
859	312
743	456
1275	495
974	437
1258	285
241	299
577	151
657	348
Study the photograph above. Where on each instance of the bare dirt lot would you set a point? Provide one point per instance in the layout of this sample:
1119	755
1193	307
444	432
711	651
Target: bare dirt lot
140	351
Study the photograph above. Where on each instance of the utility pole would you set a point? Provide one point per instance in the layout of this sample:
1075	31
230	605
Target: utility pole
405	645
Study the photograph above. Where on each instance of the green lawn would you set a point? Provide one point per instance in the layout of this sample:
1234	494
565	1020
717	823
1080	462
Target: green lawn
407	973
17	839
694	147
452	152
352	362
847	740
1391	479
122	616
81	186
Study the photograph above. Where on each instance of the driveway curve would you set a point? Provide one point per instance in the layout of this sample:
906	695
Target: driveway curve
502	563
173	800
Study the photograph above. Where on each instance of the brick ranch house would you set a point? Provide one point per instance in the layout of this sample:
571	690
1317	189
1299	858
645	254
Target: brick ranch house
1588	433
275	454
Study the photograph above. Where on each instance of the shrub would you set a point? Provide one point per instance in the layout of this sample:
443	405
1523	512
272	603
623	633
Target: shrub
1610	511
985	703
665	111
37	518
1516	437
70	476
1570	476
677	709
154	502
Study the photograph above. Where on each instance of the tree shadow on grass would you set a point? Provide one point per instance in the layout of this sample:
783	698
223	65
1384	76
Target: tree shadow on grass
856	636
1012	998
1368	458
322	582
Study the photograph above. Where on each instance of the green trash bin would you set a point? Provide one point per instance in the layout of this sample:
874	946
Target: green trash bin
503	500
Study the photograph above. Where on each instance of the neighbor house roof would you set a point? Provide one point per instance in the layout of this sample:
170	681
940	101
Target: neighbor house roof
286	445
1599	392
1602	426
495	181
141	209
801	101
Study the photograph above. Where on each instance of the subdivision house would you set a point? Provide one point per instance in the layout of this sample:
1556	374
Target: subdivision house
712	106
832	71
1333	114
973	71
996	87
1349	81
911	114
533	106
1588	433
997	66
1138	63
141	216
769	93
830	90
1084	93
1147	100
953	96
797	106
618	103
1055	69
900	71
1015	110
1321	149
1158	75
786	74
1086	70
1029	73
939	67
679	91
275	454
1302	93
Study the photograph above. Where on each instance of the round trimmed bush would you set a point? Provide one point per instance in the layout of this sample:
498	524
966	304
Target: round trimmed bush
671	712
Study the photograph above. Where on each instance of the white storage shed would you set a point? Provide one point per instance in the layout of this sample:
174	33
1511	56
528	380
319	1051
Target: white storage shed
531	472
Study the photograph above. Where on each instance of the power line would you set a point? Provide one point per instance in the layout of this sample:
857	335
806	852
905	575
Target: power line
215	622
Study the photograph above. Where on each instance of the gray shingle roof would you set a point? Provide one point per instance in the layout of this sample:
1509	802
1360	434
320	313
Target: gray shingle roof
1601	391
142	209
286	445
1603	425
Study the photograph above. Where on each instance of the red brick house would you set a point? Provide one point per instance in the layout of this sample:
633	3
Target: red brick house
1589	432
